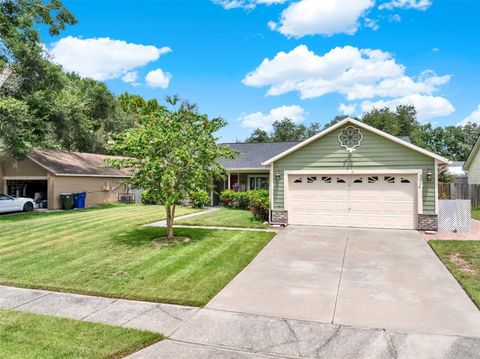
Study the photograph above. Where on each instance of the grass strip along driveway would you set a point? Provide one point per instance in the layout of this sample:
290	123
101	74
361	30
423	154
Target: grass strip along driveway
462	258
225	217
108	252
476	213
24	335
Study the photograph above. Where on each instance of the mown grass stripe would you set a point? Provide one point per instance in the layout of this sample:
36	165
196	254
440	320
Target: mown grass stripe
107	252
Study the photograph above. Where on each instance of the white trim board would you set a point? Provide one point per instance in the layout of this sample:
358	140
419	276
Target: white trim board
248	170
471	155
25	178
418	173
362	125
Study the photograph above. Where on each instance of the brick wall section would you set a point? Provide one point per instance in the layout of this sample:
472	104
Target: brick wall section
279	217
428	222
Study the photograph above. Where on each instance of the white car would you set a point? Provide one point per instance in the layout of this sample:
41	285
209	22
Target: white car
12	204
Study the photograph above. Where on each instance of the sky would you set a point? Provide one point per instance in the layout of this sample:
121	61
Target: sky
256	61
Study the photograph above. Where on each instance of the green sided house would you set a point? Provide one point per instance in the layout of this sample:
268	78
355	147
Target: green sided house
350	175
472	164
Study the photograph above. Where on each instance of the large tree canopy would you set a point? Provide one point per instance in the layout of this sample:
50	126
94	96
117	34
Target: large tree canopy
172	152
39	104
453	142
284	131
20	45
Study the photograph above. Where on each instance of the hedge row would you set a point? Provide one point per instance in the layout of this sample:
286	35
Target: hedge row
257	201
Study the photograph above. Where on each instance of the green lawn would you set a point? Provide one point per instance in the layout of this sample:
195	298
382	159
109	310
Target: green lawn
25	335
462	258
476	213
225	217
107	252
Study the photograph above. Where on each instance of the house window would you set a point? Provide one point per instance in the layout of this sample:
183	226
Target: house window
258	182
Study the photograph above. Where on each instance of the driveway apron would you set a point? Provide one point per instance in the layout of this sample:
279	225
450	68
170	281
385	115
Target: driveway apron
295	276
361	277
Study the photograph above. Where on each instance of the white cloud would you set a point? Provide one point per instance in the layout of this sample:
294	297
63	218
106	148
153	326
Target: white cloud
347	109
324	17
406	4
265	121
352	72
245	4
395	18
130	77
158	78
103	58
372	24
427	106
474	117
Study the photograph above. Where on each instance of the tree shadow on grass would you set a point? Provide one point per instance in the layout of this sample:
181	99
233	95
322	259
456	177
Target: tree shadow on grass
143	236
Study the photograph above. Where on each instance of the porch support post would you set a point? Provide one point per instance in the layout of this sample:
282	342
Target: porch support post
229	187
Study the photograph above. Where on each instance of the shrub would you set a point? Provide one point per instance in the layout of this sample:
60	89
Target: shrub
199	199
256	201
260	204
149	198
237	200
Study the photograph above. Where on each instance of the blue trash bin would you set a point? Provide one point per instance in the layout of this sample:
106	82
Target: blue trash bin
80	199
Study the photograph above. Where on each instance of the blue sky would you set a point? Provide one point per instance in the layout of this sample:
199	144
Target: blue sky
320	54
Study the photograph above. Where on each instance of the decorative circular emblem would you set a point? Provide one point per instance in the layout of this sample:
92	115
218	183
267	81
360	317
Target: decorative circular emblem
350	138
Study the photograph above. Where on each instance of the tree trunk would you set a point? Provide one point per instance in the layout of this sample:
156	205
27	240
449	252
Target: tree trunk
170	214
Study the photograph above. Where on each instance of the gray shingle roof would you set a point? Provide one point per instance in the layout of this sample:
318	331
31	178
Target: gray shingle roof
254	154
75	163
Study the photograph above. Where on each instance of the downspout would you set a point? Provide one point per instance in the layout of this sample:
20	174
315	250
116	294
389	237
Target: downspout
271	192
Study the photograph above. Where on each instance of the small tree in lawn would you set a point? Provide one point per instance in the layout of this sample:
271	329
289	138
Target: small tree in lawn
172	152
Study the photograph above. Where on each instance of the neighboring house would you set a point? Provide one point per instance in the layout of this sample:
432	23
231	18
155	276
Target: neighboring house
351	175
455	169
472	164
47	173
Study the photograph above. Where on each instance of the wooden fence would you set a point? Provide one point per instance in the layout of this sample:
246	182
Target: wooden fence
460	191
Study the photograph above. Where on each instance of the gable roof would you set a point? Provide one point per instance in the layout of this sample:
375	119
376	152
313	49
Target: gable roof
473	153
63	163
253	154
362	125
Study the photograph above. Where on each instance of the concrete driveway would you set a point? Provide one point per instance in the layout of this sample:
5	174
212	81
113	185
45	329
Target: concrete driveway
361	277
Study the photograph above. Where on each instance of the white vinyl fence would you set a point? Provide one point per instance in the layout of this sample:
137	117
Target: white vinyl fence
454	215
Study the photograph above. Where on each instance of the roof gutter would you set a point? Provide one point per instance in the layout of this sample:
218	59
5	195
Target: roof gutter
89	175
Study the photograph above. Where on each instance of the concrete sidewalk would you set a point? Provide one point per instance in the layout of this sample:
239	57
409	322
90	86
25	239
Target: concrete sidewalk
163	223
205	333
218	334
154	317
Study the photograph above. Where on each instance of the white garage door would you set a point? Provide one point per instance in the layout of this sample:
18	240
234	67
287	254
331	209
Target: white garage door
374	201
